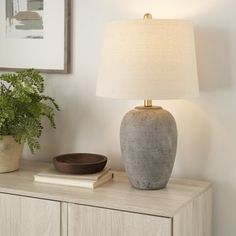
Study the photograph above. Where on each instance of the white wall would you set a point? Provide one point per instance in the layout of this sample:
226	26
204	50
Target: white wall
207	125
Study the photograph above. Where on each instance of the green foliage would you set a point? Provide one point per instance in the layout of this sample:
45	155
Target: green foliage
23	105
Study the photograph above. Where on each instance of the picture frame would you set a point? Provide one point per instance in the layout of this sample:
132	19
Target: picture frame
35	34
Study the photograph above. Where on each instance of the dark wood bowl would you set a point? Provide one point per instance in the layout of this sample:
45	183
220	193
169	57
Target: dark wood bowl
80	163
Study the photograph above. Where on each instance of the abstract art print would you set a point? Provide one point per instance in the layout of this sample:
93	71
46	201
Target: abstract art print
35	34
24	19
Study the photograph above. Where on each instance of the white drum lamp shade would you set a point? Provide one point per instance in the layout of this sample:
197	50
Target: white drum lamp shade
148	59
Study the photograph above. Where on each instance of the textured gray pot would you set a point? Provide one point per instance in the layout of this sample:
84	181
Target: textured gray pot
148	138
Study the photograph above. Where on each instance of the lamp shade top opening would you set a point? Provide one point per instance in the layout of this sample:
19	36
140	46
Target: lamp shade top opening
152	59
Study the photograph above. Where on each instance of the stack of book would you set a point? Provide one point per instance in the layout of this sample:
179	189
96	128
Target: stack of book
51	176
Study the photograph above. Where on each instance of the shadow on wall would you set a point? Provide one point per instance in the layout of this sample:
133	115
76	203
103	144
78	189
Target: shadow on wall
209	119
195	140
216	80
213	59
211	141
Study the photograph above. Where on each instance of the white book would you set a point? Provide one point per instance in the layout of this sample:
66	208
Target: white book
51	176
52	172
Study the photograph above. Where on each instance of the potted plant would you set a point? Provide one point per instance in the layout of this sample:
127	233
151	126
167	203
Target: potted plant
22	107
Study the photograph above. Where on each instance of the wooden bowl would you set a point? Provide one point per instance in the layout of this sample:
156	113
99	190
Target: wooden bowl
80	163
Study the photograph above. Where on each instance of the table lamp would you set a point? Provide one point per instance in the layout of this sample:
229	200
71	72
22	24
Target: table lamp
148	59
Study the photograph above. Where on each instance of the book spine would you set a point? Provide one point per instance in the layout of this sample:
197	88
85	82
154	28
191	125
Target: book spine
67	182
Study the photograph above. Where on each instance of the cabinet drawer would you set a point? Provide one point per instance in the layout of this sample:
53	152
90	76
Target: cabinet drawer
93	221
24	216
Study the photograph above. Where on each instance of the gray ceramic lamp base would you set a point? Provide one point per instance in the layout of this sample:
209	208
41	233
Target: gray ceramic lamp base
148	138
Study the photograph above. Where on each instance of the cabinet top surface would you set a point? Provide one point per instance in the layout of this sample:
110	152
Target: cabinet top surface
116	194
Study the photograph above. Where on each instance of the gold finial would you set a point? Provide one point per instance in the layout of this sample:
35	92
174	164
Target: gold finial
147	16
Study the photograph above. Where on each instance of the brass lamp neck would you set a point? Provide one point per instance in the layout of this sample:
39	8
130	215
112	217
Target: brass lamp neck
147	103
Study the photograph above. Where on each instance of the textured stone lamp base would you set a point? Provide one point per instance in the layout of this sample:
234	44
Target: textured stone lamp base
148	138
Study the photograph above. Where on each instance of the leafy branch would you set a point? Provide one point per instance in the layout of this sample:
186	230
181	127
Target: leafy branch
23	106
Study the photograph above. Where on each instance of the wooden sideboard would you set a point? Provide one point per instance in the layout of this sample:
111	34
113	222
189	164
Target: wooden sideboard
27	208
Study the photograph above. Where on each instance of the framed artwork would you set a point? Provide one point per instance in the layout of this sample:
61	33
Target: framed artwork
35	34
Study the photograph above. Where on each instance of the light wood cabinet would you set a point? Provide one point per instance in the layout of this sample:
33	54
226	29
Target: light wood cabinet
90	221
116	209
23	216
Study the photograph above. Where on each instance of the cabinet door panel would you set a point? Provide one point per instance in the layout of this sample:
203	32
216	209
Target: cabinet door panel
23	216
92	221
